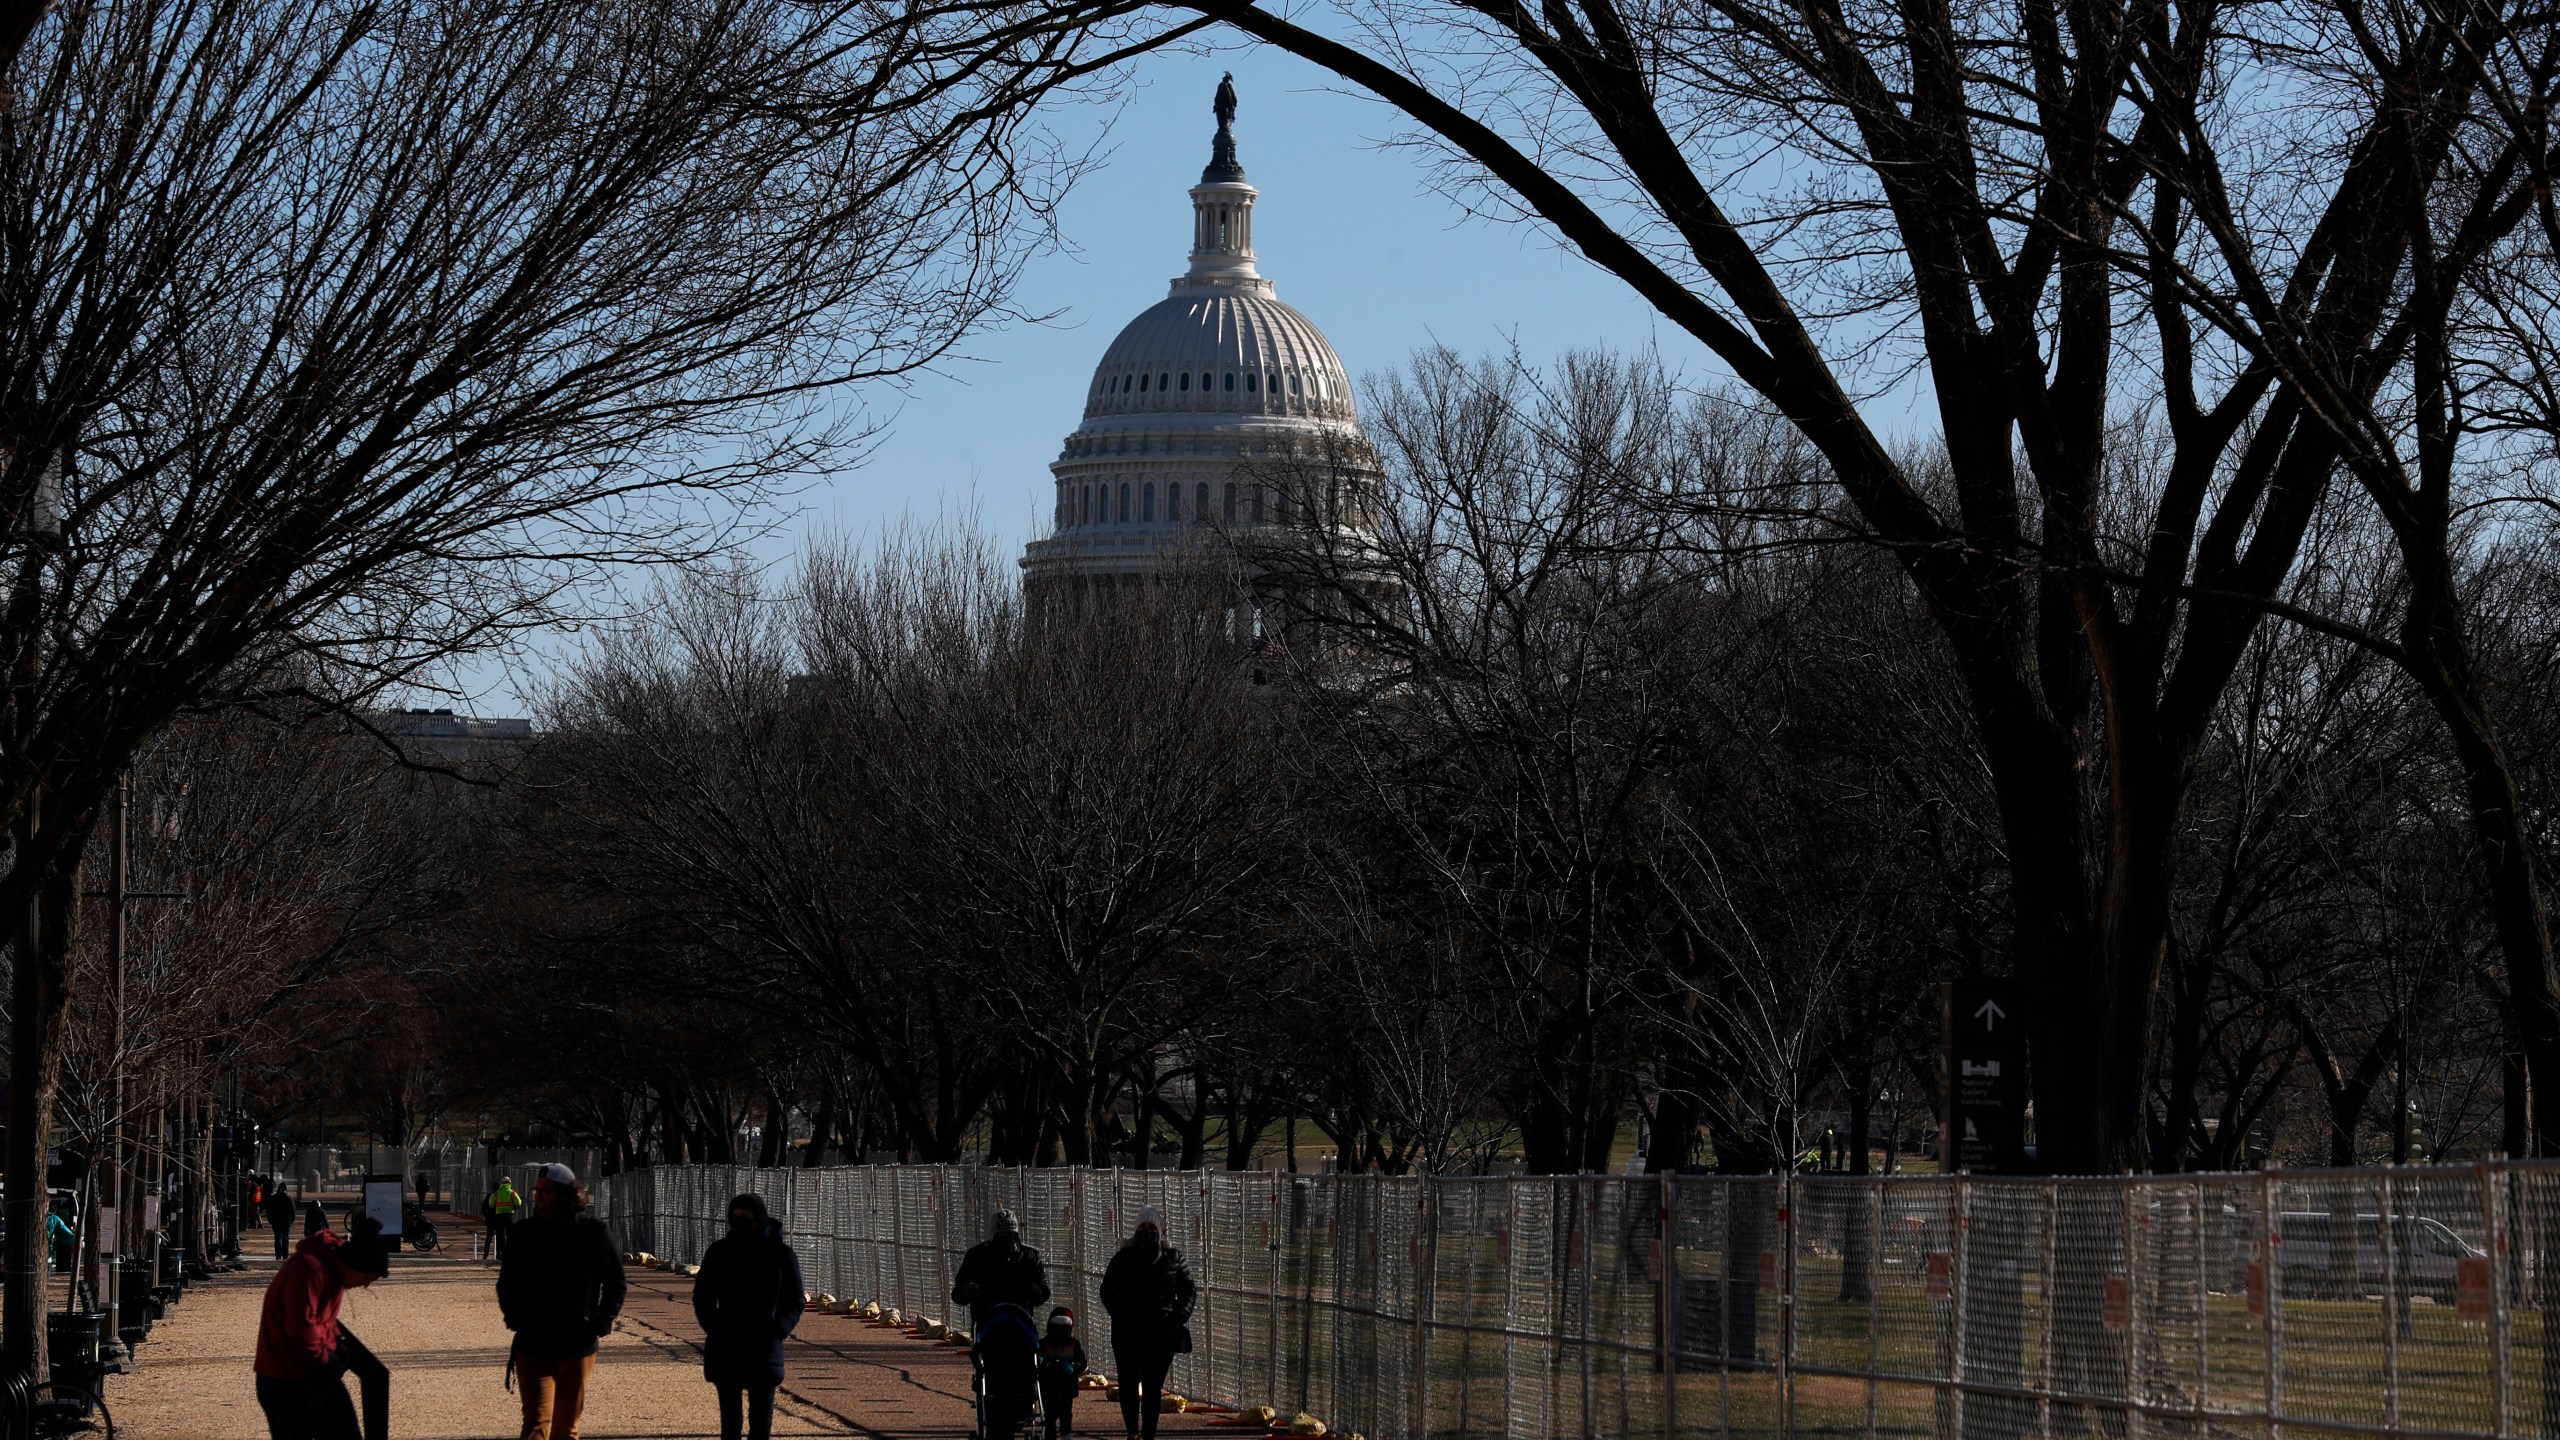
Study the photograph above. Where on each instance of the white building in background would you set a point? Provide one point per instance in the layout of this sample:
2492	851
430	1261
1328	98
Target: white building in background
1194	406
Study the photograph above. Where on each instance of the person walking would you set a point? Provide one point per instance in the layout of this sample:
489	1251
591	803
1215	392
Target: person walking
1000	1270
302	1350
1061	1372
559	1289
1148	1292
499	1210
747	1297
279	1209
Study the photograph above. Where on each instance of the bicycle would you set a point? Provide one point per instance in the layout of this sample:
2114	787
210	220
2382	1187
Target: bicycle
416	1228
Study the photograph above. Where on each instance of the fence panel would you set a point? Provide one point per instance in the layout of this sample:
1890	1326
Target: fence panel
2392	1302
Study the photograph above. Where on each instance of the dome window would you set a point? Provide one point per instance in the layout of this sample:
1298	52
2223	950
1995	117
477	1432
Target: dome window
1206	380
1186	379
1252	379
1231	380
1200	503
1142	382
1084	505
1124	502
1147	504
1295	387
1163	380
1231	502
1172	502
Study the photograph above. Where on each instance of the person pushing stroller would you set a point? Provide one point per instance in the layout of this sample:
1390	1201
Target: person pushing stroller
1001	1270
1003	1281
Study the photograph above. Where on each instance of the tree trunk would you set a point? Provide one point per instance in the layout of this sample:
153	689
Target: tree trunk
40	999
821	1130
2441	659
1143	1156
1675	1132
1857	1240
775	1145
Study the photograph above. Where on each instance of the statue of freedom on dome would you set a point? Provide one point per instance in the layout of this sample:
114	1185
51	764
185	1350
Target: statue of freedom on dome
1223	169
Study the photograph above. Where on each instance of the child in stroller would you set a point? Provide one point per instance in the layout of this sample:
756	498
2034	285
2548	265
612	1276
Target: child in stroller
1004	1358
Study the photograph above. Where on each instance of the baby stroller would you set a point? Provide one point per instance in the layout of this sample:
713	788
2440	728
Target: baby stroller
1004	1364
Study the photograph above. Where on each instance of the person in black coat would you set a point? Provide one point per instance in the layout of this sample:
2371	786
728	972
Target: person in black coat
1000	1270
279	1212
748	1297
559	1290
1148	1290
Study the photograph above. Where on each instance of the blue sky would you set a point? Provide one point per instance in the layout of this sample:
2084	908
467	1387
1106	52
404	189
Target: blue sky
1345	228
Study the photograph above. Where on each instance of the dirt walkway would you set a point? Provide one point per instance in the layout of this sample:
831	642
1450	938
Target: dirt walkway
435	1322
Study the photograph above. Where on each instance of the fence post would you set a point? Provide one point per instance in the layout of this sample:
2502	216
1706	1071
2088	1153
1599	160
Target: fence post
2502	1387
1786	1301
2271	1281
2388	1242
1510	1299
2136	1219
898	1240
1271	1243
1426	1263
2044	1310
1958	1296
1873	1280
1205	1347
1581	1255
1666	1302
2204	1319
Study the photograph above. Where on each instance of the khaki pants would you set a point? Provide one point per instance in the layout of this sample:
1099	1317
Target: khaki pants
554	1392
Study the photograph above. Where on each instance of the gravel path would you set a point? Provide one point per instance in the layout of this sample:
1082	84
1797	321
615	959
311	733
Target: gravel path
434	1321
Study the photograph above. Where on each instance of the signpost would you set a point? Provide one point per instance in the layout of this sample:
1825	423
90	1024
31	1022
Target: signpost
383	1196
1983	1058
1983	1055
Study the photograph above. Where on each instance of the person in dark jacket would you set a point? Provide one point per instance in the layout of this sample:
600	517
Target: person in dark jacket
1000	1270
559	1289
747	1297
279	1208
1148	1291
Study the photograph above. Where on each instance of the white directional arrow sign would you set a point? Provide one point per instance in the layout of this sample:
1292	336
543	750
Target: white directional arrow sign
1985	1068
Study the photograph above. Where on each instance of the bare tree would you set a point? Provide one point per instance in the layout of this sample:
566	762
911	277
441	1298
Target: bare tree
366	334
2042	220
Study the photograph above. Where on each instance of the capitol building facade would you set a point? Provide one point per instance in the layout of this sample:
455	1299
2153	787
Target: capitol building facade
1200	412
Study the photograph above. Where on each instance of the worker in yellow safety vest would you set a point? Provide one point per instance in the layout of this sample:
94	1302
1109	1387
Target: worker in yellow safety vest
500	1211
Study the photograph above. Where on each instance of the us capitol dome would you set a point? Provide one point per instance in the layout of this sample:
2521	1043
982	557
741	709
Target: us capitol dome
1196	409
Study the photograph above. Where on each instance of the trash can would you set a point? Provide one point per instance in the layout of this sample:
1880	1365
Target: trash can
137	1308
71	1343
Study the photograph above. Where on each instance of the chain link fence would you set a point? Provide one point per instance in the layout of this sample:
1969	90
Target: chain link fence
2397	1302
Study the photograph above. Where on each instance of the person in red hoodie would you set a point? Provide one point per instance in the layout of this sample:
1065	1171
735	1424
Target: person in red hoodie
301	1356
